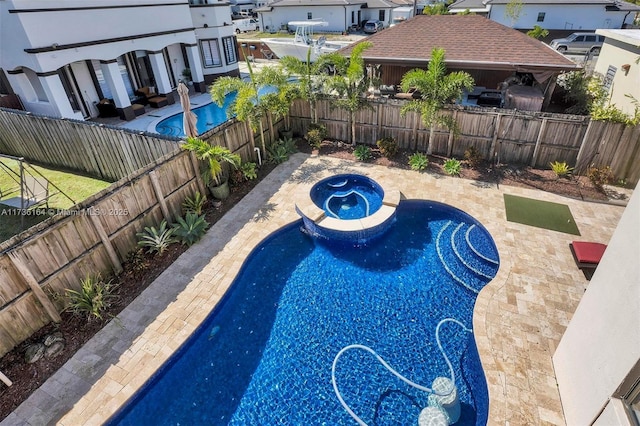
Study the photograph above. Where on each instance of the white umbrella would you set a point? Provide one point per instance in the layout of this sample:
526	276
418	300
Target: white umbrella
190	119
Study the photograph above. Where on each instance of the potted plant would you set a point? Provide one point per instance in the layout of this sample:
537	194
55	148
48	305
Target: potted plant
215	156
186	73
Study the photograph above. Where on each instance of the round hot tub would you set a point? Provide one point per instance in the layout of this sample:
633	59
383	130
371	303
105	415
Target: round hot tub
348	207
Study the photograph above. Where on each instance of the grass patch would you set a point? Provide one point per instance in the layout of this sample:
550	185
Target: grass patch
77	187
541	214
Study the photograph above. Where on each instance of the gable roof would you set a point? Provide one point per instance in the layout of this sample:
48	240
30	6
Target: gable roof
470	41
472	5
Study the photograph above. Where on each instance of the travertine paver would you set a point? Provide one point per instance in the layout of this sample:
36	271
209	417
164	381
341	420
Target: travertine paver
518	321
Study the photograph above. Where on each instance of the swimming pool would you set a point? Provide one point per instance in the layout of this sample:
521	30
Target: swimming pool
264	355
348	196
209	116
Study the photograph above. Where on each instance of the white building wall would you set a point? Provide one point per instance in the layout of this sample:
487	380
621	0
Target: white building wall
338	17
214	22
621	47
602	342
561	17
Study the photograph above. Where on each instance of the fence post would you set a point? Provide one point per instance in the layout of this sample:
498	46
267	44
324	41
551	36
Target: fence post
380	116
543	127
35	287
5	379
579	168
450	140
414	130
113	256
158	191
494	140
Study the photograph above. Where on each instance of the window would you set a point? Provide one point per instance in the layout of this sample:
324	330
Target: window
608	79
579	38
210	53
104	87
591	39
381	15
309	15
541	16
353	15
230	53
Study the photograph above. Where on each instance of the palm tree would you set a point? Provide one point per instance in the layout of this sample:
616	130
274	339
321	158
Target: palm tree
254	98
437	88
350	83
311	76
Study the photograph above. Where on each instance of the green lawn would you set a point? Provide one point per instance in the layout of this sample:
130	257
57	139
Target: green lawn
77	187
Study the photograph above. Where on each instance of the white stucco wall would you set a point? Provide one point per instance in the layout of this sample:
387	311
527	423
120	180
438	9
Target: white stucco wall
602	342
561	17
621	47
43	29
338	17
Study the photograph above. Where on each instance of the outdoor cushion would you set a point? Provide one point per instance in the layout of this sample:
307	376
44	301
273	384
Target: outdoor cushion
587	252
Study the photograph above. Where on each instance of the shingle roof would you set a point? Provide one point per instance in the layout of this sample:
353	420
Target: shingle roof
468	40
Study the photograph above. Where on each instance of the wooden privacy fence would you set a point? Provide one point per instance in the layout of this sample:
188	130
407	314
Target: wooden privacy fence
508	136
97	235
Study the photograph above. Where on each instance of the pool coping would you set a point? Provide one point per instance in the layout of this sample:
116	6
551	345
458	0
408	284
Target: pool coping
518	318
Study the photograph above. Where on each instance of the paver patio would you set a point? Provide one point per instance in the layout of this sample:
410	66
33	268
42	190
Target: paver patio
519	316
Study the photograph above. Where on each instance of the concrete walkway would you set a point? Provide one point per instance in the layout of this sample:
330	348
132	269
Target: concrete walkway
519	317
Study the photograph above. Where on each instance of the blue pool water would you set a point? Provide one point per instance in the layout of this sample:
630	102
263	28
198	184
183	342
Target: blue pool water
347	196
264	355
209	116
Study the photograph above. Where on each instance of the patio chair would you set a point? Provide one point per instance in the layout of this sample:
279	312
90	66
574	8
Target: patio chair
587	255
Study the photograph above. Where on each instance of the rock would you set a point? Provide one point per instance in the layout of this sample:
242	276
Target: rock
54	349
34	352
53	338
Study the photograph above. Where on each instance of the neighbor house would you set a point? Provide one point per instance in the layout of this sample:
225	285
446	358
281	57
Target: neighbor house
492	53
339	14
64	59
619	66
564	14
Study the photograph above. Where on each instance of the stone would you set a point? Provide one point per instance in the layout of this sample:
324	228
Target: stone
54	349
34	353
53	338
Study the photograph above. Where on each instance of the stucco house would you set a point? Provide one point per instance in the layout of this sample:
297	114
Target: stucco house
618	65
555	14
339	14
63	59
492	53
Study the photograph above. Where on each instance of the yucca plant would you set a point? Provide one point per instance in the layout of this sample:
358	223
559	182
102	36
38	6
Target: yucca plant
194	204
561	169
94	297
156	240
362	153
452	167
418	162
190	228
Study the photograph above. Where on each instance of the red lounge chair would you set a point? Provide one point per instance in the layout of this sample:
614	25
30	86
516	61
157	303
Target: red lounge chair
587	255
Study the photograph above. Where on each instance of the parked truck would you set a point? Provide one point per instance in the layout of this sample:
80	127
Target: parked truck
244	25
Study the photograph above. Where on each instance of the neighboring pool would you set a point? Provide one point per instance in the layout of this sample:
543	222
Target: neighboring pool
264	355
209	116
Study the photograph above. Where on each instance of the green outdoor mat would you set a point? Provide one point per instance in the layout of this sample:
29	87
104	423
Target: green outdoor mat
541	214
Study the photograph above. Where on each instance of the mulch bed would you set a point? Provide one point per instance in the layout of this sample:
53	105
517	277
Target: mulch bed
77	330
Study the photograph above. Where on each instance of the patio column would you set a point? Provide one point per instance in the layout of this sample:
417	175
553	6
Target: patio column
113	78
161	75
195	65
56	96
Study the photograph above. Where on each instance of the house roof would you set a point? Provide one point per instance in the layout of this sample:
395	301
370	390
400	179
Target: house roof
470	42
374	4
472	5
630	37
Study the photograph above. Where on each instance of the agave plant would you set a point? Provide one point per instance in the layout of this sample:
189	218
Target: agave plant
190	229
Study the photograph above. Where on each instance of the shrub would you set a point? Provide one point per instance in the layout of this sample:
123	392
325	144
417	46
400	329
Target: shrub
388	146
561	169
248	170
137	259
472	157
156	240
418	161
190	228
194	204
94	297
362	153
600	176
316	134
280	150
452	167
